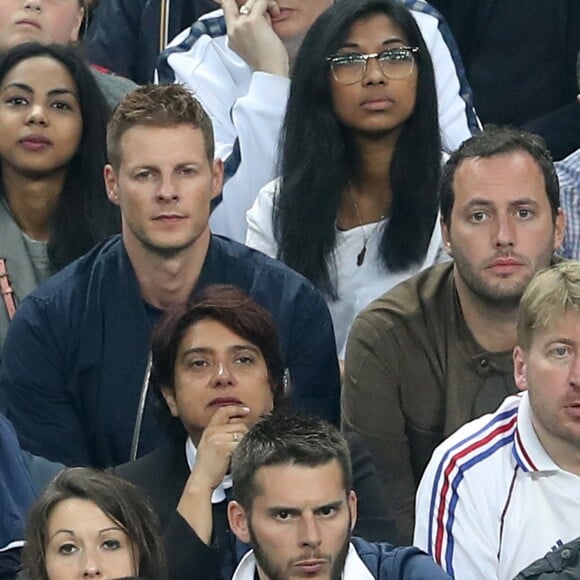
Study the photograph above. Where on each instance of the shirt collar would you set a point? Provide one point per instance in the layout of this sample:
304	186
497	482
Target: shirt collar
528	451
219	493
354	567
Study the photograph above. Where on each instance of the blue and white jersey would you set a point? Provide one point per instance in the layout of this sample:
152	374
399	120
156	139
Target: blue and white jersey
492	501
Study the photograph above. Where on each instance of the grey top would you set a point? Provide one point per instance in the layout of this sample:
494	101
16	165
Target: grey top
38	252
113	87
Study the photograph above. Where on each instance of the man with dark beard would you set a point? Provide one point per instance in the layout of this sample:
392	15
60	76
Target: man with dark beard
435	352
294	503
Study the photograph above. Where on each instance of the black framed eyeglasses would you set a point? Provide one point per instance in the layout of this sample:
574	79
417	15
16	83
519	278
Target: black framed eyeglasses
395	63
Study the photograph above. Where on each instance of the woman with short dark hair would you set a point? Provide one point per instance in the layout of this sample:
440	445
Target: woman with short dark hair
218	368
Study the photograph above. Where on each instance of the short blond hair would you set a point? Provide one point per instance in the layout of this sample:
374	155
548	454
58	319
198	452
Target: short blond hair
551	293
157	106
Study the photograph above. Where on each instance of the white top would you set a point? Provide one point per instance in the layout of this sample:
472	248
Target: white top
219	493
357	286
247	108
354	567
492	501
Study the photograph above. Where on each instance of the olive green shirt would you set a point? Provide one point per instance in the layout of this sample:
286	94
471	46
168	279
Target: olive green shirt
414	374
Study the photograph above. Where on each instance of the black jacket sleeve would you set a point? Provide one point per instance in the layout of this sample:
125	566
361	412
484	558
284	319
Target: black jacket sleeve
373	521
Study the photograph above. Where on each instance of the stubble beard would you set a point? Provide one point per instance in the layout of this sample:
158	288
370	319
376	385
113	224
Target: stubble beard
274	572
551	423
502	297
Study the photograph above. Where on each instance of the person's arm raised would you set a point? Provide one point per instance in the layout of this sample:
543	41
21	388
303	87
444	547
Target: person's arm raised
251	36
218	441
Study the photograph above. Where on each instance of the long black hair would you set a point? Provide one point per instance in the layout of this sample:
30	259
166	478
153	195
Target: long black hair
318	159
83	215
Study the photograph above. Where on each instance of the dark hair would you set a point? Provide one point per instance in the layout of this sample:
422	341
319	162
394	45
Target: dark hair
499	141
318	156
286	440
157	106
118	499
83	215
235	310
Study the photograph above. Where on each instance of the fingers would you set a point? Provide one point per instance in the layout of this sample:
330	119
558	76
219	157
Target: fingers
218	441
273	8
252	9
229	413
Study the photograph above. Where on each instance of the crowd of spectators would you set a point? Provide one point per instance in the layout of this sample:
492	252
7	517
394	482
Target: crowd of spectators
231	229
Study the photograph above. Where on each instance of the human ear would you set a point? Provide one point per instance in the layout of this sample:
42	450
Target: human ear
445	236
352	501
238	521
111	183
559	229
520	369
169	396
74	34
217	178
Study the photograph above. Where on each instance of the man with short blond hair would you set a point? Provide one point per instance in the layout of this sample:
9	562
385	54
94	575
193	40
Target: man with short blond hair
504	489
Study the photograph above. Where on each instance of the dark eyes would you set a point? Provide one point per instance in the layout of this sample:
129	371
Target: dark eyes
71	548
200	363
111	544
327	511
481	216
16	101
67	549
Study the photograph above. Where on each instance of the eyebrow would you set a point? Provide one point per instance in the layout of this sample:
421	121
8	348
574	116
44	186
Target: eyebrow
231	349
274	510
567	341
153	167
29	89
385	43
72	533
488	203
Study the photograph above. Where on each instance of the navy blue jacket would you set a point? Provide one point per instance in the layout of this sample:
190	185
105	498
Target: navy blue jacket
75	354
389	563
533	84
16	496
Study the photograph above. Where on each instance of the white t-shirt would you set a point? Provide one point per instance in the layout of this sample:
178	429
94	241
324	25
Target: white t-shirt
357	286
492	501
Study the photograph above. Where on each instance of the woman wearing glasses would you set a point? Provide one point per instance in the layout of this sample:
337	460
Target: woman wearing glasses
355	207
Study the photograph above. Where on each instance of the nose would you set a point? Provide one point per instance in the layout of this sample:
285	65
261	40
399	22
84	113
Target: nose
35	5
91	566
574	377
504	236
223	376
373	73
166	192
309	532
37	115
